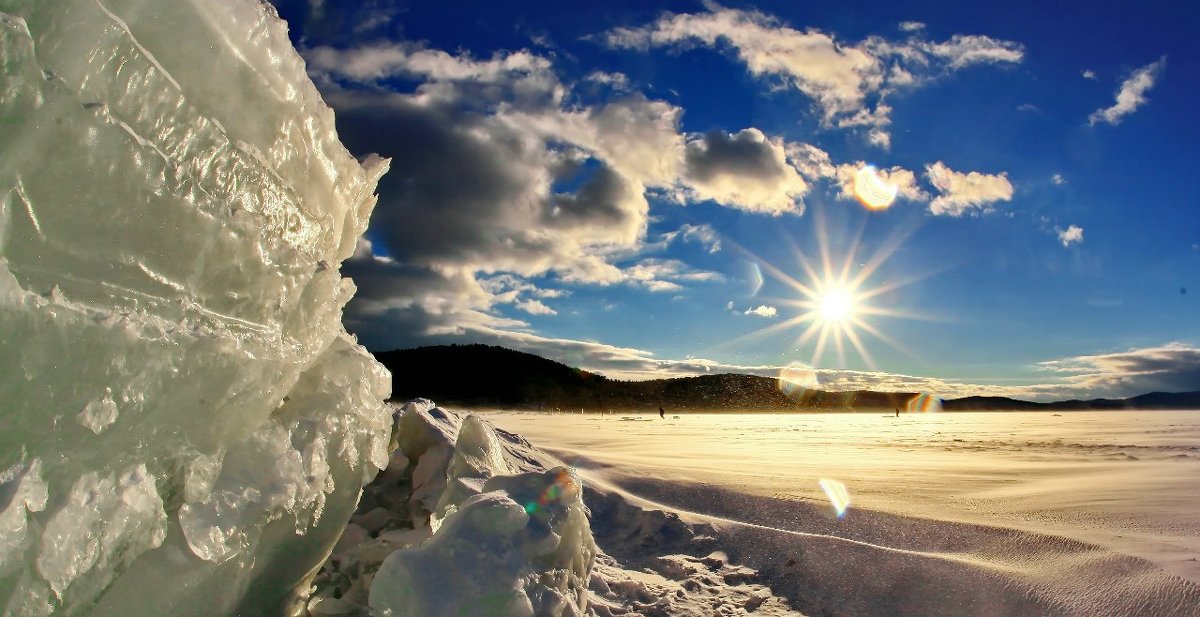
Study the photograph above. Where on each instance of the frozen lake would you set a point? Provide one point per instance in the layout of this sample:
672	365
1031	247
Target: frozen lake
1125	481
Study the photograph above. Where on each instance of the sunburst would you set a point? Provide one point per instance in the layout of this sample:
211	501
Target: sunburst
835	301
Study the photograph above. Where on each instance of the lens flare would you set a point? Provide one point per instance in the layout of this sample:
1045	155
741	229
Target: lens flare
836	298
838	495
872	190
796	379
562	488
754	278
924	403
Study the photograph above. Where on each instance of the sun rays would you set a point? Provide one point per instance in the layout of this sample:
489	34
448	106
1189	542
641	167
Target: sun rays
835	298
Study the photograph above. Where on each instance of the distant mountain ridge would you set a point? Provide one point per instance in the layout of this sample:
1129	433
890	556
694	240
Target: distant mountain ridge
489	376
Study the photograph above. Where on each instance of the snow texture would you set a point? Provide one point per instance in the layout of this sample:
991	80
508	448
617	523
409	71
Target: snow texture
978	514
185	419
510	536
464	521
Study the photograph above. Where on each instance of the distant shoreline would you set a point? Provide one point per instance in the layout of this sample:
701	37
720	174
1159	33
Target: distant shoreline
483	377
856	411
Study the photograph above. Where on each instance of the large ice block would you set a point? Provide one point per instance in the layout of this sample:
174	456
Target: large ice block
185	426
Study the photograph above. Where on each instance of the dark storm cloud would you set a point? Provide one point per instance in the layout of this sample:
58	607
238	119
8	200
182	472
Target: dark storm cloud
597	201
447	195
491	173
745	154
744	170
471	191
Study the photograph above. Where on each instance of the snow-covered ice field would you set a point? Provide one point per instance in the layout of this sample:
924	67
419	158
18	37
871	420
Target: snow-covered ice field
962	513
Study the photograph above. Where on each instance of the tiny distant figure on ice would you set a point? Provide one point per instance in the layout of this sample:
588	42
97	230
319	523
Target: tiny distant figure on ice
662	414
897	412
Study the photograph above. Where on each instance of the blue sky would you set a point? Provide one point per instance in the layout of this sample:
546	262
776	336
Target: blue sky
599	184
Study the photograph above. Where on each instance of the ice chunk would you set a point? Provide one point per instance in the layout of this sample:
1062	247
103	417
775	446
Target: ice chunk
496	556
22	491
107	520
180	397
509	536
478	457
426	435
512	541
99	414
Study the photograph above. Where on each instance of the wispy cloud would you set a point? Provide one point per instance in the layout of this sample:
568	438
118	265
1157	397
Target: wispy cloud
1131	95
967	49
963	193
1058	179
1090	74
386	59
703	234
847	82
617	81
661	275
535	307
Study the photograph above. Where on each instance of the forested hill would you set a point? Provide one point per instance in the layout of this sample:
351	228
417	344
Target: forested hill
487	376
480	375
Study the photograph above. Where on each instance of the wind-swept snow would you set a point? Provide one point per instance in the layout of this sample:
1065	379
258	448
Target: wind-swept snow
511	536
950	514
675	536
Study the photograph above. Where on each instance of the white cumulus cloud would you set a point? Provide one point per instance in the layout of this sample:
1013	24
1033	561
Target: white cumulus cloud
762	310
963	193
535	307
904	180
1073	234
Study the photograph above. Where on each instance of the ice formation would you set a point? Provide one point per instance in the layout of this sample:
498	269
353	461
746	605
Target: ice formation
184	418
513	538
464	521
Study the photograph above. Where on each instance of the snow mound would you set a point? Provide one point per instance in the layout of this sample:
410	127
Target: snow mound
510	536
466	520
185	418
682	586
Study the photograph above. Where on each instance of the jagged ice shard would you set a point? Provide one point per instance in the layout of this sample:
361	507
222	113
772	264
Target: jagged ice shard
185	426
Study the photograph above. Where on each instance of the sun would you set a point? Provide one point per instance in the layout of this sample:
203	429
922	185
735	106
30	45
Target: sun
835	299
836	305
833	308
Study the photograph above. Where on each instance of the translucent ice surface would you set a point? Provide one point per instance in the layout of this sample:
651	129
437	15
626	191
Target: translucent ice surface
183	418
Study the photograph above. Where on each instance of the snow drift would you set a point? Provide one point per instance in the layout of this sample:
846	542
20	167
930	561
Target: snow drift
464	521
184	417
468	519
